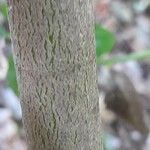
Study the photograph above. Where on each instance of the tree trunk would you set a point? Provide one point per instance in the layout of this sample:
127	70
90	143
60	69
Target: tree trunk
53	47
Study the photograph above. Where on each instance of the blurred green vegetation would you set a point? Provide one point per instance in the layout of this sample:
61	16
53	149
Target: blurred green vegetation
11	75
4	33
3	9
105	40
124	58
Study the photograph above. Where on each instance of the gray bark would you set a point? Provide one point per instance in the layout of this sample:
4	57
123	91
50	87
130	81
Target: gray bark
53	46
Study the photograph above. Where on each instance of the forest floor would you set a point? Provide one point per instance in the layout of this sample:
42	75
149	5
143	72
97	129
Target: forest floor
130	23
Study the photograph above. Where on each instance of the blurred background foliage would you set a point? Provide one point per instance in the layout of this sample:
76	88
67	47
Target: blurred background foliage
11	75
4	33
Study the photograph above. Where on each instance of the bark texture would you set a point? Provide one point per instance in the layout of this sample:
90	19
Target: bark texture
54	55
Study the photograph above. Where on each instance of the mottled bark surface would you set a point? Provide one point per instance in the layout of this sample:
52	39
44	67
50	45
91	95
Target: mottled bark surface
54	54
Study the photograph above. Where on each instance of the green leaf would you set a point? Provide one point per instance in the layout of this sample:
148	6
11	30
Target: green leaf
105	40
3	9
11	76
